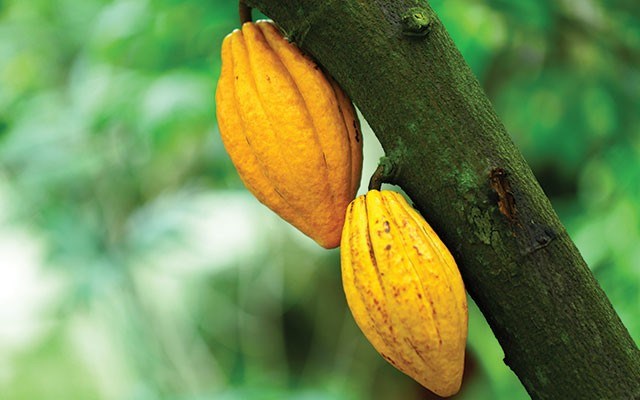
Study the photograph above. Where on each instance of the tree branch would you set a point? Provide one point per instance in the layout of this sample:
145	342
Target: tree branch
453	156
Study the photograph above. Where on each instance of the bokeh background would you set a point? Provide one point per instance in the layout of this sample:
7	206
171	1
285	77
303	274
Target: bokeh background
133	263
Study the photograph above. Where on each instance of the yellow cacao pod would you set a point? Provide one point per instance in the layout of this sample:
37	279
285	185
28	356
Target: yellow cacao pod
291	132
404	290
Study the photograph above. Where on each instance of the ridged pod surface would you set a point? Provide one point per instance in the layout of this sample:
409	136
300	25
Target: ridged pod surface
291	132
404	290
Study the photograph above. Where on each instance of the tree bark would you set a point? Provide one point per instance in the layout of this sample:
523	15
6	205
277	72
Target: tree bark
453	157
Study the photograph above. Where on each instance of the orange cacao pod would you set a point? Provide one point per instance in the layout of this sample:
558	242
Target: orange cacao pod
291	132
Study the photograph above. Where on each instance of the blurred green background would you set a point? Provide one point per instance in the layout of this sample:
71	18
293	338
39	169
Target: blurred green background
133	263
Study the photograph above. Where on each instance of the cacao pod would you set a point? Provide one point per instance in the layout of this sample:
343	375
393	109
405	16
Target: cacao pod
290	130
404	290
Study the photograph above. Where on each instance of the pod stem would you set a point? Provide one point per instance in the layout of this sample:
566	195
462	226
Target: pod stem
385	173
244	11
375	183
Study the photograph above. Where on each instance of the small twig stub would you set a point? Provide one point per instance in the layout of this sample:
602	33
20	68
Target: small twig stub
416	22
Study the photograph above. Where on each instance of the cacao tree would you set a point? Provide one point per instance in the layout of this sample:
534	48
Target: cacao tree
448	150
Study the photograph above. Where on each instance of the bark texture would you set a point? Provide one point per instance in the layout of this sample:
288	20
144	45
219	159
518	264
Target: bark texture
452	155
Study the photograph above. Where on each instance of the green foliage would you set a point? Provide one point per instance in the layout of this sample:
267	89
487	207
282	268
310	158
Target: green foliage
135	266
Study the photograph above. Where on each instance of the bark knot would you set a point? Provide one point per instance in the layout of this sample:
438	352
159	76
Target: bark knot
500	184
